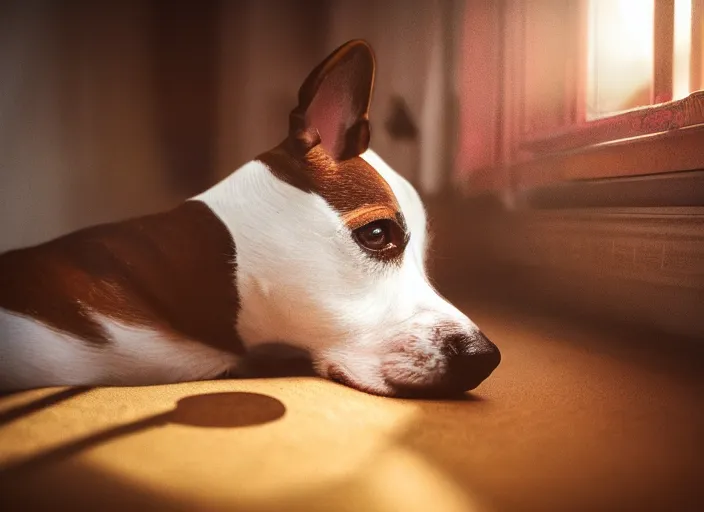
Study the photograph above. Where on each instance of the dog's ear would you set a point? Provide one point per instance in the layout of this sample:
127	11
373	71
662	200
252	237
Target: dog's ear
333	103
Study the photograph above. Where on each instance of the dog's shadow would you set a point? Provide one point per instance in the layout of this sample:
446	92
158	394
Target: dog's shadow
210	410
275	360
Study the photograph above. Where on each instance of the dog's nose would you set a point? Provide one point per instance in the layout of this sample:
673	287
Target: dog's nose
471	359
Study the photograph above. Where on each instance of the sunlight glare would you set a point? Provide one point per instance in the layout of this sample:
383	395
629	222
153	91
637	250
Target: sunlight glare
683	46
620	55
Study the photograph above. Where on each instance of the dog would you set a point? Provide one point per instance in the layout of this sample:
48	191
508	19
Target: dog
316	243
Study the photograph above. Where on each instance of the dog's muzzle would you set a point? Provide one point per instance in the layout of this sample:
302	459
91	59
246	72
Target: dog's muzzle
460	363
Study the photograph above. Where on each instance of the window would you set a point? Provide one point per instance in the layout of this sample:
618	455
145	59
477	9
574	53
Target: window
620	56
556	90
622	47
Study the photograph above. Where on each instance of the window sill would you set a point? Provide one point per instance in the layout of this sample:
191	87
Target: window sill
650	120
669	152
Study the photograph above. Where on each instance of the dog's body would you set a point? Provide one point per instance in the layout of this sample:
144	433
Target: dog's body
316	243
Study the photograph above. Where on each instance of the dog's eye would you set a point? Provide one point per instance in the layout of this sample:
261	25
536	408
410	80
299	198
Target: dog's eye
379	235
374	236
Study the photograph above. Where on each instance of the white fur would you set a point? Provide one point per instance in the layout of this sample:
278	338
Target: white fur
35	355
303	280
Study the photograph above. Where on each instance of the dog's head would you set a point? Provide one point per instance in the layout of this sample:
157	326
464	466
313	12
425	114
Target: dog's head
331	245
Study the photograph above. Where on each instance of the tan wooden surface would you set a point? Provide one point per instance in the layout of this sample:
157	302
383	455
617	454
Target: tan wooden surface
571	420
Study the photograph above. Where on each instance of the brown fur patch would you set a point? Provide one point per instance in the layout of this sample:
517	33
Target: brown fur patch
352	187
173	271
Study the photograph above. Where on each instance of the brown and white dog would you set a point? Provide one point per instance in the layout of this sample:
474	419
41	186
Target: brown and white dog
317	243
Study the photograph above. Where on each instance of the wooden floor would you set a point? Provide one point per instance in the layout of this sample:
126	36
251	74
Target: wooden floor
573	419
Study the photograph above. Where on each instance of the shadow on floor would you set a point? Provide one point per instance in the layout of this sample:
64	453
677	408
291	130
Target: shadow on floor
41	403
78	485
212	410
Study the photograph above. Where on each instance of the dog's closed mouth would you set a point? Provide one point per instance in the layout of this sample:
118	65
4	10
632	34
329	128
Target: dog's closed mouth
338	375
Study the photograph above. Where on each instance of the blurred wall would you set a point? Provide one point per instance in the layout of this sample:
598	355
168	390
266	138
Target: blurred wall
267	47
118	108
414	42
77	127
